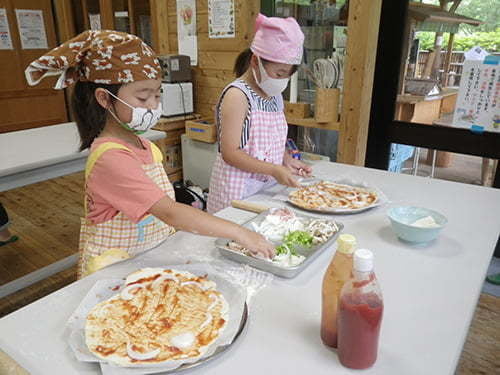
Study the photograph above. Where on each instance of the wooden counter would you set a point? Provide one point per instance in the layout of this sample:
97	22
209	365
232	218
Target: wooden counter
426	110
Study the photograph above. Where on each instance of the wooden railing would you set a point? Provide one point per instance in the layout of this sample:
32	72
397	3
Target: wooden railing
455	70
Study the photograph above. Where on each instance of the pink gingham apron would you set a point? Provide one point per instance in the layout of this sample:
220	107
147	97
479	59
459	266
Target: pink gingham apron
266	142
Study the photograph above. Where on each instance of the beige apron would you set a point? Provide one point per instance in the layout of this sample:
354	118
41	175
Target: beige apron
119	232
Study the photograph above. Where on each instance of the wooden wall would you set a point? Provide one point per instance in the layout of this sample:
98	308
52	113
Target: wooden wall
22	106
216	57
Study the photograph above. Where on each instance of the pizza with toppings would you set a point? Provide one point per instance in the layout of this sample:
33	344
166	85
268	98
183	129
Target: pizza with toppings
329	196
158	316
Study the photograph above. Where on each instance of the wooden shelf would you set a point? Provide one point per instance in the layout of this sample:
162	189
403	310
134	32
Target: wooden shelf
312	123
412	99
174	123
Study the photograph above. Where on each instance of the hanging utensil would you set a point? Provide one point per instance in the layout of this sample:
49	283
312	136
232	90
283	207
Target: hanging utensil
310	75
324	73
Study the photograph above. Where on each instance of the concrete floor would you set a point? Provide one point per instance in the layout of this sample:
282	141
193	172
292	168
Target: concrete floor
463	168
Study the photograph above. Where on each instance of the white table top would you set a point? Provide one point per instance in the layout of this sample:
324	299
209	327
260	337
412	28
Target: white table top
429	293
33	155
34	148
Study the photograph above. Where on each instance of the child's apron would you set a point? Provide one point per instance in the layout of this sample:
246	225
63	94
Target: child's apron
266	142
119	232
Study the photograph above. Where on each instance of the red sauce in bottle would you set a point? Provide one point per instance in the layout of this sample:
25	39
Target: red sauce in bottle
359	320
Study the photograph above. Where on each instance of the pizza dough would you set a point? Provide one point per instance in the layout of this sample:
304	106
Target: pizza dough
327	195
159	315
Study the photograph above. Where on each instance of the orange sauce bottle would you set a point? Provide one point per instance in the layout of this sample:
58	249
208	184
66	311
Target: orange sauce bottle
337	273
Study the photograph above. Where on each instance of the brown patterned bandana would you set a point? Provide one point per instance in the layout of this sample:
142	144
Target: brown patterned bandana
100	56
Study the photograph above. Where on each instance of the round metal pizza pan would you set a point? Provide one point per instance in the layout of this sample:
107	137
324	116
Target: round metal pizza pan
338	211
219	351
334	211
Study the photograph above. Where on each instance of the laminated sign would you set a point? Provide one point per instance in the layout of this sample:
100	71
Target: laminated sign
477	105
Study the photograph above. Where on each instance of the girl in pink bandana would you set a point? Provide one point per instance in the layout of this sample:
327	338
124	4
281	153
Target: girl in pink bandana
251	124
130	205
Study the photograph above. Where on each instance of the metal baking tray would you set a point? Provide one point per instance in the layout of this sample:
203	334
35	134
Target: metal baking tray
268	266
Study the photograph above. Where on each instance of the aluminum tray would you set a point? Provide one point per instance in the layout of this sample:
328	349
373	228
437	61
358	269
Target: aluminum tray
265	265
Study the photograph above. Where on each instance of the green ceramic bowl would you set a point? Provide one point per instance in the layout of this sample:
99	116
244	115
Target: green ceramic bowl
402	217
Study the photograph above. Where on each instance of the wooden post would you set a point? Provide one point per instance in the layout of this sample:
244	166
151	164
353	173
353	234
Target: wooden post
85	11
428	64
438	43
447	60
159	24
407	40
363	26
66	30
131	17
64	20
107	14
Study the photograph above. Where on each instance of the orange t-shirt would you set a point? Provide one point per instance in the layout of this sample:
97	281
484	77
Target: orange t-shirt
117	183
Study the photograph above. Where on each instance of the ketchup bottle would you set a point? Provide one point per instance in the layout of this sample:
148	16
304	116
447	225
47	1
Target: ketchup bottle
360	314
337	273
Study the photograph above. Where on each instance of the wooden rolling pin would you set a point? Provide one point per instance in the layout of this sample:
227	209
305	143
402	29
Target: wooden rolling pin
248	206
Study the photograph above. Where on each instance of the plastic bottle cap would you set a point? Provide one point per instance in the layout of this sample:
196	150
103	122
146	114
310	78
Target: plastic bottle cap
363	260
346	243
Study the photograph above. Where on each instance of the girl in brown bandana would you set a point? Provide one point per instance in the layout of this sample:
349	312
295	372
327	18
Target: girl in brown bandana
130	204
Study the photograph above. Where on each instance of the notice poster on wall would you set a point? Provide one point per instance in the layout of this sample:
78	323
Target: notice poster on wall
186	29
478	101
95	21
31	29
5	39
221	19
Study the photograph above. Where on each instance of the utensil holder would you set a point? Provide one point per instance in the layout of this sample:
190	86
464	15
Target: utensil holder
326	107
297	110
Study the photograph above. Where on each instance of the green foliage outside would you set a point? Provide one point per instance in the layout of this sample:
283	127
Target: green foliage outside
487	11
486	35
490	41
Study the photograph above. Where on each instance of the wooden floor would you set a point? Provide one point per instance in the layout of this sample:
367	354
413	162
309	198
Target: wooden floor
46	217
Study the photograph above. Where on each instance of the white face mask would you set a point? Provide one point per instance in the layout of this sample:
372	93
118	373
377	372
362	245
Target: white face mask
271	86
143	119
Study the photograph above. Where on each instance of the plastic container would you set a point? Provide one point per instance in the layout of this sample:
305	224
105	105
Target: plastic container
360	314
337	273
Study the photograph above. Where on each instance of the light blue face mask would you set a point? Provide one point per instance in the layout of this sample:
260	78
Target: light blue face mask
143	119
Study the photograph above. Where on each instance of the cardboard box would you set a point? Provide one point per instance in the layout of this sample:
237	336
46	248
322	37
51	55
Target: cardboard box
174	177
172	160
201	130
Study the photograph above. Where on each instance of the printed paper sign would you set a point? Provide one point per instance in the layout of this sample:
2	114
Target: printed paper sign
31	29
478	103
186	29
221	19
5	39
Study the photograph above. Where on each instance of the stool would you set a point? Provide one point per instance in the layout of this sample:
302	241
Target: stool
416	159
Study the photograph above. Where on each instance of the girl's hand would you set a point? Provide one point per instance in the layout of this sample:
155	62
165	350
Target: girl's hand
256	244
297	167
284	176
